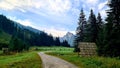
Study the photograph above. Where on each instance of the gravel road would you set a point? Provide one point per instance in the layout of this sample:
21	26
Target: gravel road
54	62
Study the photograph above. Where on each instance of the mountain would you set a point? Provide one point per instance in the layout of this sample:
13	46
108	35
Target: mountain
69	37
10	30
25	33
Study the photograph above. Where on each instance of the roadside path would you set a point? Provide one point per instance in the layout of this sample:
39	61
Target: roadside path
54	62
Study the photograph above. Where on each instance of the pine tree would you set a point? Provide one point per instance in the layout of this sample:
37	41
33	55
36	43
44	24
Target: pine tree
80	30
100	37
112	44
65	43
91	28
57	41
99	22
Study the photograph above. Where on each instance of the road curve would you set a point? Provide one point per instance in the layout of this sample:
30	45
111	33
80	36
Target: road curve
54	62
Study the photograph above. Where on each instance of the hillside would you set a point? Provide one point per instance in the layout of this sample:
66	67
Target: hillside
26	34
4	37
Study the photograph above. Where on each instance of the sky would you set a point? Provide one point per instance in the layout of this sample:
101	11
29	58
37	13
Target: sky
56	17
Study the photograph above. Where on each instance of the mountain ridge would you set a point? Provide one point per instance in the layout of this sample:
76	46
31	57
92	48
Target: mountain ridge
69	37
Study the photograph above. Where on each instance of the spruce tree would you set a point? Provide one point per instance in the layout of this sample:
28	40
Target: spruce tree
99	21
65	43
91	28
80	30
100	37
112	44
57	41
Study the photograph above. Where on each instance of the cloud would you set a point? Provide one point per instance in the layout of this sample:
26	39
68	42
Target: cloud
59	6
52	6
102	9
15	4
76	3
58	33
90	2
103	13
25	22
59	13
102	5
75	11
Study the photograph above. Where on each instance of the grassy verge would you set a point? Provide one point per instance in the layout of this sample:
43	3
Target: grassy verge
21	60
88	62
56	49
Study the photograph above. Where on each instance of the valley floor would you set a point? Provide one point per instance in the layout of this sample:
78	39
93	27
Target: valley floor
31	59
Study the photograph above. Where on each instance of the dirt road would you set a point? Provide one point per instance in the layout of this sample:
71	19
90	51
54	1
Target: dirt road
54	62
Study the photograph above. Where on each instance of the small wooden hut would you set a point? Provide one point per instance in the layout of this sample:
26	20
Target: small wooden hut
87	49
5	50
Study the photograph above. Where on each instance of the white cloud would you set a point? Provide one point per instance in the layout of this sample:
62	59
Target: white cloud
51	6
5	6
103	13
76	3
15	4
25	22
56	33
102	5
59	6
60	32
75	11
102	8
91	1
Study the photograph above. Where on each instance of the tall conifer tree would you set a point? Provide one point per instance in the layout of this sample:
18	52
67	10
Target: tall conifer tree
80	30
92	28
112	44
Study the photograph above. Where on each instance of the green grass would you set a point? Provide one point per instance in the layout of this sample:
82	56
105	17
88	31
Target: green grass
21	60
32	60
88	62
56	49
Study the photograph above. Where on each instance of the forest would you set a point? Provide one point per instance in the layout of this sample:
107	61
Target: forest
106	34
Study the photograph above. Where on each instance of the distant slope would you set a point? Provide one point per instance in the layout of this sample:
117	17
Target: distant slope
12	28
33	29
4	37
69	37
27	27
28	35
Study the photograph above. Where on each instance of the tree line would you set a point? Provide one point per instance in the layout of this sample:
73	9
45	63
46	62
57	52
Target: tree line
105	35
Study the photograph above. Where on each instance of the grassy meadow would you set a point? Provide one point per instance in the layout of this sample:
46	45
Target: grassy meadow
52	49
28	59
21	60
32	60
